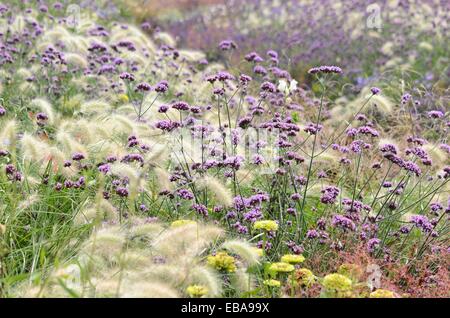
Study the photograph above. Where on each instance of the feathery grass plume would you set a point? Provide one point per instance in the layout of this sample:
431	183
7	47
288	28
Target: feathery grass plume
23	73
242	248
382	103
95	106
221	193
58	158
206	276
148	290
74	103
174	242
158	155
69	144
82	129
107	243
438	156
133	175
242	281
244	176
133	34
103	210
33	149
171	273
135	260
328	157
148	231
162	179
192	56
77	44
165	38
120	123
55	34
44	106
126	109
77	60
26	88
18	24
134	57
8	136
30	200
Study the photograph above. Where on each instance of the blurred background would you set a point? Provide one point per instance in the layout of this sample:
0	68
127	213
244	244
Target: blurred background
368	39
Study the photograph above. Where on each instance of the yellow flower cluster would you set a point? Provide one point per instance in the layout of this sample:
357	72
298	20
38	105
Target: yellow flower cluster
222	261
293	259
196	290
337	282
266	225
281	267
382	293
305	277
272	283
178	223
123	98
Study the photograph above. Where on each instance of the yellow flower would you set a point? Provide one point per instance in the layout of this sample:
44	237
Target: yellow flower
259	251
337	282
272	283
266	225
305	277
292	259
222	261
281	267
196	290
178	223
382	293
123	98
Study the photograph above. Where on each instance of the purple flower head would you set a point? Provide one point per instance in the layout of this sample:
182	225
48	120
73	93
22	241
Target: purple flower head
200	209
167	125
325	69
312	234
412	167
78	156
104	168
422	222
42	117
10	169
272	54
180	105
253	215
185	194
143	87
224	76
375	90
244	79
435	114
162	87
122	192
343	222
258	69
126	76
226	45
372	244
2	111
329	194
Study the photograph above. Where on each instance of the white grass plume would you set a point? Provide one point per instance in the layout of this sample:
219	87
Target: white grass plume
242	248
221	193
